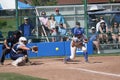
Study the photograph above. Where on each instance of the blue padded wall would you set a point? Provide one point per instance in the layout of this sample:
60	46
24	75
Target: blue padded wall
49	49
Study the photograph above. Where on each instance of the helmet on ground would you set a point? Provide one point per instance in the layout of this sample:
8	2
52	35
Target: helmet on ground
22	40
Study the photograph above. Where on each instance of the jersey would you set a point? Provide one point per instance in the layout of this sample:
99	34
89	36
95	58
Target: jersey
78	41
16	52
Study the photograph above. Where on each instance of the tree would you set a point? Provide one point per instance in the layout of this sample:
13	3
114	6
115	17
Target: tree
44	2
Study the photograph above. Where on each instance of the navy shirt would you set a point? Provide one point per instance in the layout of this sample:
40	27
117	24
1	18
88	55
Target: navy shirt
11	41
26	29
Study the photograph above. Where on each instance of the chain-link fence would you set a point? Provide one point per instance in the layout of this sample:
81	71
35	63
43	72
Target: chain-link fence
71	13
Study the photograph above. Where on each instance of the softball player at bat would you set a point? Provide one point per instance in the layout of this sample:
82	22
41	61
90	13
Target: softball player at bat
78	41
19	52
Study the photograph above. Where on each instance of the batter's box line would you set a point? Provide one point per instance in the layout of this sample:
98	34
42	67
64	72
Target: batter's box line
97	72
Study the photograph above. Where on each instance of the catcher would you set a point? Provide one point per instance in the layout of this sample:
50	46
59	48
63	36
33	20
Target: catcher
78	41
19	52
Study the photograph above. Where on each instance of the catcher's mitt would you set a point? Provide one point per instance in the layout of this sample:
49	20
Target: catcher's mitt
34	49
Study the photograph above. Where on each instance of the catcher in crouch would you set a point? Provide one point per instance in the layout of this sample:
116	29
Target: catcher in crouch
78	41
19	52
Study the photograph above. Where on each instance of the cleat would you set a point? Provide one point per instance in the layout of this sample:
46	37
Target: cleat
13	63
65	61
87	61
98	52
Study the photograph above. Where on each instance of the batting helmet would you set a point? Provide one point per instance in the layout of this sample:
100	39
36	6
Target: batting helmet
77	32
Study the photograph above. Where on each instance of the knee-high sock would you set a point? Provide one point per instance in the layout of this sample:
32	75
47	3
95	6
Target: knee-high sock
19	60
85	56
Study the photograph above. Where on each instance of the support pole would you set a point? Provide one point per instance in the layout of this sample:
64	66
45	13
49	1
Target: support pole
86	17
17	20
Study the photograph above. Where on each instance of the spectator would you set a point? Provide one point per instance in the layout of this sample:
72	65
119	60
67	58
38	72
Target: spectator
52	26
59	18
8	43
103	30
115	32
94	37
44	30
92	20
61	32
26	28
116	18
98	24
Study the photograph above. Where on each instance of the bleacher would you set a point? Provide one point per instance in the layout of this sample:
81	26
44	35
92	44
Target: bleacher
110	48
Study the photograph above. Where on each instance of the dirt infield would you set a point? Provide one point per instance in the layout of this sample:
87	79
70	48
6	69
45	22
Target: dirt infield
98	68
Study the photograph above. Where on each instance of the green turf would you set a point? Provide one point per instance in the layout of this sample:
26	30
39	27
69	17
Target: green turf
14	76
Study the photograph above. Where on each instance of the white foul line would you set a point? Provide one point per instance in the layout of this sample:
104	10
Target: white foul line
98	72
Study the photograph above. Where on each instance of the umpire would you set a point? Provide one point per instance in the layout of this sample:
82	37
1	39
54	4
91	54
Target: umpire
8	43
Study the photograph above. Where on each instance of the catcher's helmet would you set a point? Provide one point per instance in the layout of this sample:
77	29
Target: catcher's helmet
22	40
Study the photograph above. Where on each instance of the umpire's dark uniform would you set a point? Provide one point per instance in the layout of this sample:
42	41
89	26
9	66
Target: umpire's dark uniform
9	42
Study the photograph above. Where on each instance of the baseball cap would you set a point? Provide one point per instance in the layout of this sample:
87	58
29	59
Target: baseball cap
25	17
56	9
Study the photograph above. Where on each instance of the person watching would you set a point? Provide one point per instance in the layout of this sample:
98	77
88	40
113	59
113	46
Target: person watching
8	43
26	28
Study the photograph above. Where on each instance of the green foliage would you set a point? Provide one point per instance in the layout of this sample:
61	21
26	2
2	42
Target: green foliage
44	2
111	1
50	3
36	2
13	76
2	24
6	25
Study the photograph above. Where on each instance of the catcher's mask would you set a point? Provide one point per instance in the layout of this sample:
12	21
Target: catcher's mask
22	40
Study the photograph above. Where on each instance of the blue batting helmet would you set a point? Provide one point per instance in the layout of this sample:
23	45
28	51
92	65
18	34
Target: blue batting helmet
78	32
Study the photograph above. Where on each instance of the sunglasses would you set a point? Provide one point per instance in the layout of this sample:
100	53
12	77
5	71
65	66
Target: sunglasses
115	24
24	41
